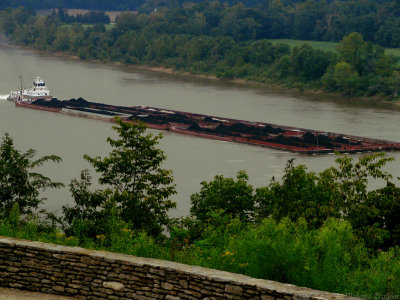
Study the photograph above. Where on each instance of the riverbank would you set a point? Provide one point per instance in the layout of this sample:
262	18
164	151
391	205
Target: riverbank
313	94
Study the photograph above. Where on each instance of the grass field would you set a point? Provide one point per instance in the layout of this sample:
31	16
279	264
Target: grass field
74	12
327	46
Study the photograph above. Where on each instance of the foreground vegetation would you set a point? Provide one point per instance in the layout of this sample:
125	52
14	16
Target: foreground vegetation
325	231
173	39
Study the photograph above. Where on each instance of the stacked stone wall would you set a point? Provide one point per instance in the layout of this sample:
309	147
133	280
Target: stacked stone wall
89	274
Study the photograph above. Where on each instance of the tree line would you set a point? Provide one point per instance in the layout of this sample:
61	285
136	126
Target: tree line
377	21
328	231
358	68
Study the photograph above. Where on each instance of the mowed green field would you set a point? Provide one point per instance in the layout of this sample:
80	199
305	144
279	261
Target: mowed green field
327	46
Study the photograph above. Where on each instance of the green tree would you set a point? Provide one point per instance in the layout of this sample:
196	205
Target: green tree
301	194
308	63
371	213
337	192
234	197
346	78
140	187
361	55
88	217
18	182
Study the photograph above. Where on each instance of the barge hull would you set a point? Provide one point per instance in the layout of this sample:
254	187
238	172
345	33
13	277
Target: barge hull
267	135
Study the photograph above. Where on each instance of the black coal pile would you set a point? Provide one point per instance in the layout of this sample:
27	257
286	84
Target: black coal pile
324	140
97	111
196	127
309	138
242	128
211	120
177	118
344	141
253	130
52	103
224	130
149	119
321	140
290	141
80	102
273	130
220	130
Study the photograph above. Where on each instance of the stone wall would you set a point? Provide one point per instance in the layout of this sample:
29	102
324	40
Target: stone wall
89	274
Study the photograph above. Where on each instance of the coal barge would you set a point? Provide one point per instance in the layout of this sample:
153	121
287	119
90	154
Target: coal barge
254	133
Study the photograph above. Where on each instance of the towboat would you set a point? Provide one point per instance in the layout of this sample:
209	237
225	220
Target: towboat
38	91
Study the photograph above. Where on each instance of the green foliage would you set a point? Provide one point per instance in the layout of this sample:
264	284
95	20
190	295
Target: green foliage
309	64
19	184
289	252
346	78
140	187
301	194
316	230
88	218
337	192
227	42
235	198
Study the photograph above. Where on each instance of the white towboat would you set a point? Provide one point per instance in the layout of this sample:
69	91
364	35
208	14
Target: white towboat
37	91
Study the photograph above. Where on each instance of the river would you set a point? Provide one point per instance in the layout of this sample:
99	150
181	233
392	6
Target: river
191	159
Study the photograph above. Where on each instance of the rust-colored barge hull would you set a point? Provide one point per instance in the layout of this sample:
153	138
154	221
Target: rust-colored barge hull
268	135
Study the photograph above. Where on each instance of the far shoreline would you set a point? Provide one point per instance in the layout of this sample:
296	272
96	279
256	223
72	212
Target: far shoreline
309	93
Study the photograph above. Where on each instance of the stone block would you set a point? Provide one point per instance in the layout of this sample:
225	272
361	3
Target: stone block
13	269
184	283
128	277
169	297
234	289
88	261
116	286
58	288
157	271
71	291
267	297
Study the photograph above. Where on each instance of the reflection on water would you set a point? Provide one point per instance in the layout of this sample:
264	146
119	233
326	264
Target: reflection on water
191	159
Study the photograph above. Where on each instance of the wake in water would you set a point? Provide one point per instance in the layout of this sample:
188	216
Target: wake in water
3	97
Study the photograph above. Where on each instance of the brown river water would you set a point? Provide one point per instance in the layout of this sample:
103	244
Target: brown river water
191	159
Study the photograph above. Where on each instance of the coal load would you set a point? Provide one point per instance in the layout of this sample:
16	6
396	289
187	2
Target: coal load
254	130
290	141
223	130
341	140
211	120
220	130
196	127
309	138
269	129
97	111
80	102
321	140
324	141
149	119
54	103
178	118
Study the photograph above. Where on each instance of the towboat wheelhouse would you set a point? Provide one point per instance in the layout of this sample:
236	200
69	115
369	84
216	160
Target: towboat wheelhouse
38	90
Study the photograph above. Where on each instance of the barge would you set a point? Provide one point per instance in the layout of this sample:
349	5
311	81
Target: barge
262	134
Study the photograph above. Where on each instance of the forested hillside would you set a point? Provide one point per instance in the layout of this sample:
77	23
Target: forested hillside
212	40
375	20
